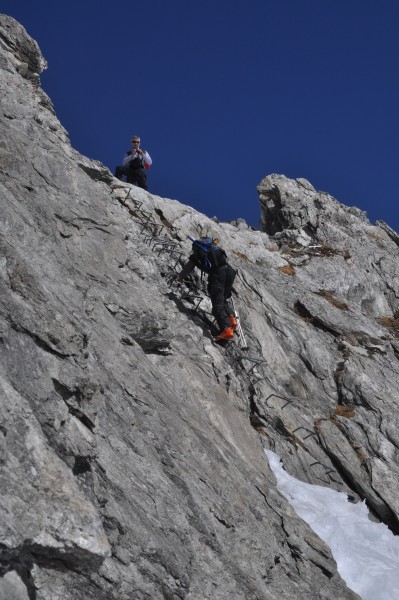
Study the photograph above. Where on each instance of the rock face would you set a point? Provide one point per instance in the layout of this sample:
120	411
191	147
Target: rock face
131	447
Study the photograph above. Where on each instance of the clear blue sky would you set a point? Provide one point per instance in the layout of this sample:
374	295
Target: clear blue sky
225	92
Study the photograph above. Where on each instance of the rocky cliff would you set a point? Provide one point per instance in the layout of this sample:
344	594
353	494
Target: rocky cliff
131	447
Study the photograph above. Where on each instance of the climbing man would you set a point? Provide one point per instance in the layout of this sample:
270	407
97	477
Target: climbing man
135	165
212	259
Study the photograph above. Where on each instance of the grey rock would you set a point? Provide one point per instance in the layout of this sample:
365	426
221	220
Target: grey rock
392	234
12	587
306	184
59	522
131	447
24	53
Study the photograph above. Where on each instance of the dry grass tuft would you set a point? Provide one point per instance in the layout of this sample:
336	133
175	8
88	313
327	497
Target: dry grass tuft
345	411
240	255
287	270
332	300
391	323
374	235
327	251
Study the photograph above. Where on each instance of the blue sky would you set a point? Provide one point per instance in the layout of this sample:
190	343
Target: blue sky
226	92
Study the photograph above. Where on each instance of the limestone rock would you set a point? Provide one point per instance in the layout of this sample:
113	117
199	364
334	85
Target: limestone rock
131	447
12	587
24	55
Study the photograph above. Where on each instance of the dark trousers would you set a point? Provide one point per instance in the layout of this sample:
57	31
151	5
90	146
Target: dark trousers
135	176
220	284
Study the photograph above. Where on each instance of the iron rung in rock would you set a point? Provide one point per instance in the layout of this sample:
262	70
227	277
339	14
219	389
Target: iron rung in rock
310	432
327	470
286	400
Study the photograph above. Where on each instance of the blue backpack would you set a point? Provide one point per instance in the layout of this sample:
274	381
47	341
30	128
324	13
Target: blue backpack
207	256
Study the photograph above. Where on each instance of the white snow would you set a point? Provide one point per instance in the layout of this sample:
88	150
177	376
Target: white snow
366	553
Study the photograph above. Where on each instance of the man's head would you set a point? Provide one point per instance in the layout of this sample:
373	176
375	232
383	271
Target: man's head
135	141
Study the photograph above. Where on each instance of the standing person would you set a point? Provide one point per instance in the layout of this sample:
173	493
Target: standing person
211	259
135	165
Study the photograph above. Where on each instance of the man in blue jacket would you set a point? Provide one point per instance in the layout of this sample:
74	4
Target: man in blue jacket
211	259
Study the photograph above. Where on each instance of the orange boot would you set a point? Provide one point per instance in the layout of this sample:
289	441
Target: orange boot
233	322
226	334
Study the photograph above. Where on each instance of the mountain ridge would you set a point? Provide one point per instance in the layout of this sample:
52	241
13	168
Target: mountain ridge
131	446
